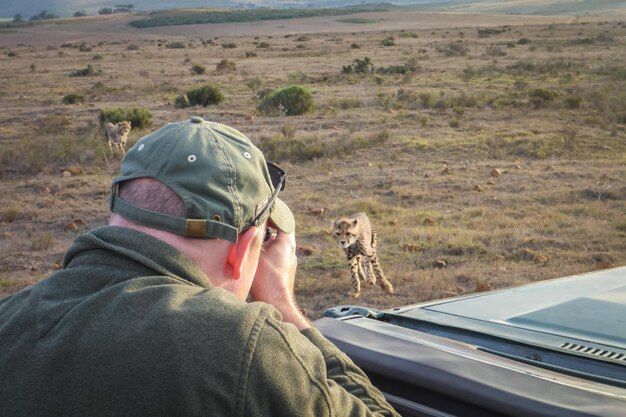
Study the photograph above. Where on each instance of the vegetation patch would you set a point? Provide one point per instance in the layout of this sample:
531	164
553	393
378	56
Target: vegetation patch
207	95
293	100
73	99
89	71
139	117
359	66
199	16
357	20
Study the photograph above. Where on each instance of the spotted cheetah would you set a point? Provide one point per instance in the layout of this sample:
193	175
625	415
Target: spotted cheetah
117	134
359	241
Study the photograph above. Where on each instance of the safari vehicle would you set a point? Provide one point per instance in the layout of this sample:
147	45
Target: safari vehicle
554	348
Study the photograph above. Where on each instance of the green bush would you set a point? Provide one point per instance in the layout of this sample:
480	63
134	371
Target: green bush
205	96
86	72
540	96
229	45
73	99
175	45
387	42
226	65
359	66
572	102
182	101
292	100
198	69
139	118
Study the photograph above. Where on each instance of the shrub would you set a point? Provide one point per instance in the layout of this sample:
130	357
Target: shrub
250	54
440	105
182	101
523	41
453	49
175	45
132	47
254	84
483	33
355	45
73	99
520	84
198	69
468	73
226	65
263	45
292	100
392	69
9	214
572	102
427	100
44	241
387	42
288	131
540	96
205	96
359	66
229	45
542	93
86	72
139	118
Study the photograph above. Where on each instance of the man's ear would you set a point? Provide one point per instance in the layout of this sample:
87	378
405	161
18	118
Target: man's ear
239	251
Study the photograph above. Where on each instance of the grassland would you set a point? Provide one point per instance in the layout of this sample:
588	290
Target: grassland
415	143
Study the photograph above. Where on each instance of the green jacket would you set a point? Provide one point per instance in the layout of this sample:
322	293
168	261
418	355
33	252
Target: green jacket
131	327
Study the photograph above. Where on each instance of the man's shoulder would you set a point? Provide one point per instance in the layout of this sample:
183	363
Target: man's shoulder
208	312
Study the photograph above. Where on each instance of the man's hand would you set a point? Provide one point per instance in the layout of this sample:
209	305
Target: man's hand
274	280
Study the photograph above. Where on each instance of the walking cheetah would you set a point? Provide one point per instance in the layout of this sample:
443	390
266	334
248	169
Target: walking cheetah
359	241
117	134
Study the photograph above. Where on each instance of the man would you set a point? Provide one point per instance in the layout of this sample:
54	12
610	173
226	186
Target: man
149	316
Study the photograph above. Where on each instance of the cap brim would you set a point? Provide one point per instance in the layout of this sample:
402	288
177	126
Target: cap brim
282	217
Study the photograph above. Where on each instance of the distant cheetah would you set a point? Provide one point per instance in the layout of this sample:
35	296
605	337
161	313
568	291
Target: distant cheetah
117	134
359	241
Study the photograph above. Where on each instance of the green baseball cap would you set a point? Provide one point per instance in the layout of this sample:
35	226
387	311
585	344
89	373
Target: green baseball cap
222	178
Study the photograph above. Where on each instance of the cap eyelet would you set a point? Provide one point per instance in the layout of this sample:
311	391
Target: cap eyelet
247	155
216	218
140	148
191	158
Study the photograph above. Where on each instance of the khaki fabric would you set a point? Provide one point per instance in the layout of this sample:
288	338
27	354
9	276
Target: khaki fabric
131	327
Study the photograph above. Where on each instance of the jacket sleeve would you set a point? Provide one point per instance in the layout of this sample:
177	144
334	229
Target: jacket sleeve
303	374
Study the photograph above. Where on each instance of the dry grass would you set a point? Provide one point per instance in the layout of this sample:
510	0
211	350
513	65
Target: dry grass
409	149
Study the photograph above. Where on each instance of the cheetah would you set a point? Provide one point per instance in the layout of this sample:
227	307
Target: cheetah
117	134
359	241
